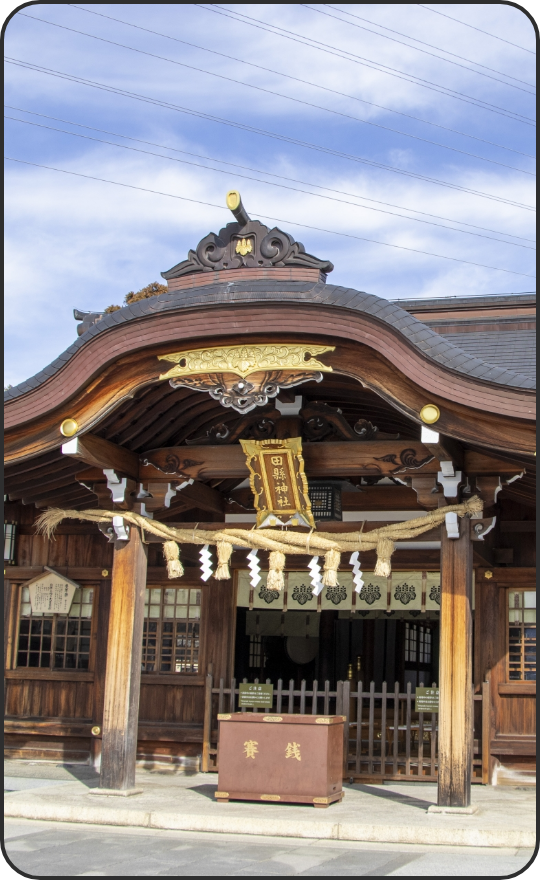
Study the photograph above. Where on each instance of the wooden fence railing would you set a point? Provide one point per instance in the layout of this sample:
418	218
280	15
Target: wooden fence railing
384	737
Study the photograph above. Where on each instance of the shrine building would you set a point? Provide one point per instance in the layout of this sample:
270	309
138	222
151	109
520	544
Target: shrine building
258	477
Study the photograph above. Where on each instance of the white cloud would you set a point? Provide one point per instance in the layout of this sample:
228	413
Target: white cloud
77	243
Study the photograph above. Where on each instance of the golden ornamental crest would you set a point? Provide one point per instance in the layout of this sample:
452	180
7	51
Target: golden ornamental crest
244	246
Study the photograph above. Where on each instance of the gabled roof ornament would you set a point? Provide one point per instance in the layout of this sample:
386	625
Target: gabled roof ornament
246	243
234	202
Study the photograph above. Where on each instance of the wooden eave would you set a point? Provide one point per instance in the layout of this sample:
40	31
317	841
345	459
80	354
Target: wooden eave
113	364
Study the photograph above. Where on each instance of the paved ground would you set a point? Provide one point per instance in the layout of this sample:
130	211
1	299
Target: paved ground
46	849
395	813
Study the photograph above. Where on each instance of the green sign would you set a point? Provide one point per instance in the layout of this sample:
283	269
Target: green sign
255	696
427	699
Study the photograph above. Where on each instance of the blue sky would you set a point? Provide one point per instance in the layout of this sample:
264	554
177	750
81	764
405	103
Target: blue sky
73	242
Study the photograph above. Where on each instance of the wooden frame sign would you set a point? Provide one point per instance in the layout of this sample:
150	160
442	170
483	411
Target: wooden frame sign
278	482
51	593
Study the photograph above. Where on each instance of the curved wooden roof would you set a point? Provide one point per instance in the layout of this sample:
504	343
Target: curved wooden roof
376	342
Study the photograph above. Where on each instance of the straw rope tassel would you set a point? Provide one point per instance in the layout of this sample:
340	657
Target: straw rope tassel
385	548
224	553
276	581
171	551
332	558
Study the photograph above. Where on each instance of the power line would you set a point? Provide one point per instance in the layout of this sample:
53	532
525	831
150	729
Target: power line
305	82
252	129
272	174
257	180
273	92
515	45
382	68
416	49
416	40
267	217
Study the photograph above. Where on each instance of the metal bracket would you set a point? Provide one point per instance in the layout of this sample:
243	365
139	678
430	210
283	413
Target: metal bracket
450	483
452	525
481	527
119	487
121	528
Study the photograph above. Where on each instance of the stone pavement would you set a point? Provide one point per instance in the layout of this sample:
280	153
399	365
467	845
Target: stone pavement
45	849
394	813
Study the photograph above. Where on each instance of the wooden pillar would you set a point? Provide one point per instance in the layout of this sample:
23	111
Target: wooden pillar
123	673
455	670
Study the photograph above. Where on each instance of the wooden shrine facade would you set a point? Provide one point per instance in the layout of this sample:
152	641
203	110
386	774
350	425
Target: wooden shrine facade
145	414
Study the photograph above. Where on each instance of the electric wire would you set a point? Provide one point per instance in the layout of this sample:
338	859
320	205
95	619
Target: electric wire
416	49
246	177
515	45
416	40
269	174
357	59
267	217
273	92
274	135
305	82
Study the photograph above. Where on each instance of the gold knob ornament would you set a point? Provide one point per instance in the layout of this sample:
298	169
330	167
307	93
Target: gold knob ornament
430	414
69	427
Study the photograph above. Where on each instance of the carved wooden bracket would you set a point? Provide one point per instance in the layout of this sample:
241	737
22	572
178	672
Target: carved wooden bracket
246	376
427	492
243	395
123	489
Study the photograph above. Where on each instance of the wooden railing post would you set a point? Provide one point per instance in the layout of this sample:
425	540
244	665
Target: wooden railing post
346	702
207	723
123	673
339	698
486	730
455	670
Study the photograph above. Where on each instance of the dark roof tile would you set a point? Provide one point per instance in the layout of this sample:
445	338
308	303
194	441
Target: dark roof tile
505	361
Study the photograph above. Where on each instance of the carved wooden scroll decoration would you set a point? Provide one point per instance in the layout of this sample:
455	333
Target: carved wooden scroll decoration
249	244
278	482
246	376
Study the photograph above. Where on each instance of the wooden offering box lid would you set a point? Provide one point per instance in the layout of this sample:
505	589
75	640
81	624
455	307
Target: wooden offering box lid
262	718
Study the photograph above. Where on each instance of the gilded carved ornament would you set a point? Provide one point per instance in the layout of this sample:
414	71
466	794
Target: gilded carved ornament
246	376
245	359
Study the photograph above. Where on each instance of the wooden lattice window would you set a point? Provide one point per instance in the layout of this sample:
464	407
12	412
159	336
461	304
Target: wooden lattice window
171	636
56	641
417	643
522	635
255	652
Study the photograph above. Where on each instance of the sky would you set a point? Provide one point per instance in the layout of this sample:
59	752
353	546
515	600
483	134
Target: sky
317	114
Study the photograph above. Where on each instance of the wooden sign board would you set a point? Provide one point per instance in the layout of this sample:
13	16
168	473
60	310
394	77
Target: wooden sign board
427	699
255	696
278	481
51	594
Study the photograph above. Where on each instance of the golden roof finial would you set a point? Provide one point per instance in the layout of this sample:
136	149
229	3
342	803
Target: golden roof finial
234	203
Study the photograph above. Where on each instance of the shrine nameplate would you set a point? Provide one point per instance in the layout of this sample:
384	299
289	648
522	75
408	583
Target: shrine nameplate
427	699
255	696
